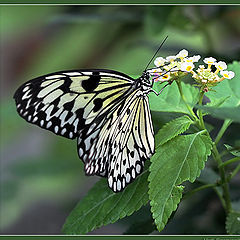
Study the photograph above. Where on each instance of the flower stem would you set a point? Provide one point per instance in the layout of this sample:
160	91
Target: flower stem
192	114
225	198
200	110
224	127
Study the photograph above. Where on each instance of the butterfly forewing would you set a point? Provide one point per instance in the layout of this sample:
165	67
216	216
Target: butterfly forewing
65	102
106	110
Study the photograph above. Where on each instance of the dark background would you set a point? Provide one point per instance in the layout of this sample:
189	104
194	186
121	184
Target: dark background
42	178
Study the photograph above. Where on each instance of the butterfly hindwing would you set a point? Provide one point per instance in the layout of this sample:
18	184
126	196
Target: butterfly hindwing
65	102
121	143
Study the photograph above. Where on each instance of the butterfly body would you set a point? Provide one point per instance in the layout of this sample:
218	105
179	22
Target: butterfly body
107	111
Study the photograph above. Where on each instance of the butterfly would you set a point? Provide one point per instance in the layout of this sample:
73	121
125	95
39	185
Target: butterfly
106	111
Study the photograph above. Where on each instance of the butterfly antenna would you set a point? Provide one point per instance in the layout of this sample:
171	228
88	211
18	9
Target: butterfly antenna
156	52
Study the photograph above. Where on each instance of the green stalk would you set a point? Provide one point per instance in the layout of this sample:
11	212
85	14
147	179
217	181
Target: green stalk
190	193
224	127
199	110
225	199
191	113
233	173
224	181
233	160
221	198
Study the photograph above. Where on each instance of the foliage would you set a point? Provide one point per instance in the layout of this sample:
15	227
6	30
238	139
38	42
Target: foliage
68	37
178	158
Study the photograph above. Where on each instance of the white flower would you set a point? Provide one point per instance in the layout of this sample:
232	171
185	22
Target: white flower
209	60
170	58
227	74
194	58
187	66
221	65
182	54
159	61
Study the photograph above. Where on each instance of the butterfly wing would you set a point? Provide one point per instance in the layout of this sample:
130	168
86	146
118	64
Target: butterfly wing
118	146
104	109
66	102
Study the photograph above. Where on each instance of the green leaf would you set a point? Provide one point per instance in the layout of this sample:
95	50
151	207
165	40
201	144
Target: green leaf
174	162
227	88
217	102
233	223
170	100
101	206
232	113
172	129
233	150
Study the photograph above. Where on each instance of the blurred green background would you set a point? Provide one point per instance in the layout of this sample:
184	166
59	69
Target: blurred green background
41	175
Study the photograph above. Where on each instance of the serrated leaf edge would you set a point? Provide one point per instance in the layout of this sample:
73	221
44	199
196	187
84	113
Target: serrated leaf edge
173	136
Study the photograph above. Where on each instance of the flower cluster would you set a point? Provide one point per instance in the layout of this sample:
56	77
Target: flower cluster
173	67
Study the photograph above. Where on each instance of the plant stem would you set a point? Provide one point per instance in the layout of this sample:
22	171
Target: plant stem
224	181
233	173
200	110
221	198
190	193
229	161
224	127
192	114
225	199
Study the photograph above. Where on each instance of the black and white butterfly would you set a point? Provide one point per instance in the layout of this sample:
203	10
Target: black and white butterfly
107	111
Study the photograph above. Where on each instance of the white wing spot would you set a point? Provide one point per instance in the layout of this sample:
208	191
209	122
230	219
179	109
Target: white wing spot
123	183
110	181
41	122
138	168
133	173
35	119
56	129
118	185
26	95
25	89
29	118
70	134
63	131
80	151
73	73
54	76
128	177
114	186
49	124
